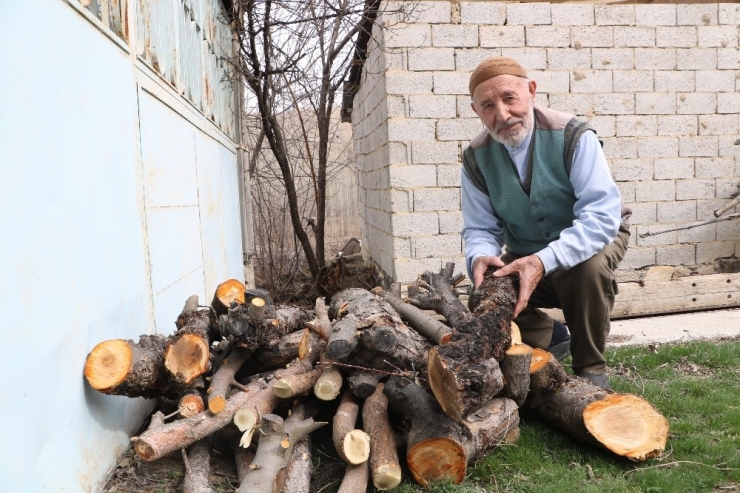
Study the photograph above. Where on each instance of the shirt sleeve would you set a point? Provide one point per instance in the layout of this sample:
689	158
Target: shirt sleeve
597	209
482	230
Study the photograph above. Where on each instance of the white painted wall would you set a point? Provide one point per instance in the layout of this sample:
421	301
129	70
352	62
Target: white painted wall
118	201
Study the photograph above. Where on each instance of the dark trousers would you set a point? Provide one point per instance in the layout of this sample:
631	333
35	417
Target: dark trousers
586	294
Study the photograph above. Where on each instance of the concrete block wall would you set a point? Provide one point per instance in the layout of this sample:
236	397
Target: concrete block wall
659	82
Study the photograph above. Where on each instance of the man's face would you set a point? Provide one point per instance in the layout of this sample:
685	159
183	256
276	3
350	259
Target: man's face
505	105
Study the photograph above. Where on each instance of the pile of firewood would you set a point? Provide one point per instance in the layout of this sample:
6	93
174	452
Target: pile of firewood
459	386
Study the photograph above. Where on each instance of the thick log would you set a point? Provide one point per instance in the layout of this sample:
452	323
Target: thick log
385	469
329	384
352	445
228	292
624	424
516	370
355	478
295	385
439	448
545	372
187	355
197	467
221	381
274	357
119	367
419	320
298	477
363	383
243	458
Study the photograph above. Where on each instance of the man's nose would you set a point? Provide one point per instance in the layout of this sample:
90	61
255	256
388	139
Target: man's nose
502	113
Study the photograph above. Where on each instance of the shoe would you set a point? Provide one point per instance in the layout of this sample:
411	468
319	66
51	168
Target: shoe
597	378
560	345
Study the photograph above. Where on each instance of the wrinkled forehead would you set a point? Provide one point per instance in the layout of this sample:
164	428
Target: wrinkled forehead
500	87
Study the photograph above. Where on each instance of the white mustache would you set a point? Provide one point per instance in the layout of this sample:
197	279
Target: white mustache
509	123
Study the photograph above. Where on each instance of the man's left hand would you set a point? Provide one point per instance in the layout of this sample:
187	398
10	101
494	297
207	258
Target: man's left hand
531	271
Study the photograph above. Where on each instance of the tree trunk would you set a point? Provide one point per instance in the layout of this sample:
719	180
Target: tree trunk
384	466
625	424
516	368
197	467
545	372
352	445
226	293
221	381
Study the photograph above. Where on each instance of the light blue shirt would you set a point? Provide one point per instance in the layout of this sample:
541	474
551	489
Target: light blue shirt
597	210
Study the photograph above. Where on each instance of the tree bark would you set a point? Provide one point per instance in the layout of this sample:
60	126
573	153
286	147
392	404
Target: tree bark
197	467
355	478
221	381
295	385
516	368
418	320
384	466
352	445
545	372
298	478
363	383
624	424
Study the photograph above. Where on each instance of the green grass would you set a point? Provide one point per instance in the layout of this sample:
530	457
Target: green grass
697	388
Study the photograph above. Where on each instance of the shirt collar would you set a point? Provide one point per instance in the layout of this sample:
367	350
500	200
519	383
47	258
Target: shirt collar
516	150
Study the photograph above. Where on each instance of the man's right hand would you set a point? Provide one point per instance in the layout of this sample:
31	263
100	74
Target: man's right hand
481	265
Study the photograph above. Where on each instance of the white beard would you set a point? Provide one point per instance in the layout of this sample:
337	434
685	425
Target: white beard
514	137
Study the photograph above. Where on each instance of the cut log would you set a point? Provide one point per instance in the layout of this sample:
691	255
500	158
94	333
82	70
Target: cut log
355	478
516	370
329	384
221	382
385	469
254	329
119	367
363	383
295	385
274	357
228	292
439	448
352	445
243	458
545	372
298	477
624	424
197	467
187	355
191	404
420	321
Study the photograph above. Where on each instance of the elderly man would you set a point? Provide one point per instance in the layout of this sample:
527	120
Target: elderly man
536	182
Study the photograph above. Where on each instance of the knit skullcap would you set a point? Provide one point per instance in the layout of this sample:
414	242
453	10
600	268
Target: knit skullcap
491	67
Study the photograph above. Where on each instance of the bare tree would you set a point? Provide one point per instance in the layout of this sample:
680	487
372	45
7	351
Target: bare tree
294	56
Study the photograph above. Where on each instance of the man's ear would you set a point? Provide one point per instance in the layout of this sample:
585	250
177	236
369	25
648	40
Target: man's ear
532	88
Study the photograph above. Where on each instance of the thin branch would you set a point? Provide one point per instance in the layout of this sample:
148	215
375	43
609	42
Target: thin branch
694	225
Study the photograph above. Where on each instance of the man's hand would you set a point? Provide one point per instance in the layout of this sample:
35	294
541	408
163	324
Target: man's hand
481	265
530	270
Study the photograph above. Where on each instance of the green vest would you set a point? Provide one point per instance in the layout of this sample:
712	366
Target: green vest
534	211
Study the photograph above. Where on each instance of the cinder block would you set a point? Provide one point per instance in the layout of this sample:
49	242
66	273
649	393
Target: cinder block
408	36
570	14
707	253
549	81
467	59
482	13
715	167
548	36
698	146
632	169
637	258
432	12
450	222
415	223
614	15
615	103
728	231
463	107
437	246
401	200
694	189
678	125
620	147
606	126
729	13
403	83
455	35
402	247
591	37
627	190
676	255
726	188
696	103
718	124
412	176
637	125
568	58
655	15
529	58
502	36
728	58
728	102
633	80
715	80
408	129
451	82
591	81
729	145
674	81
458	129
655	58
696	15
398	153
655	103
407	270
634	36
396	106
393	59
432	106
448	175
434	152
698	234
676	37
717	36
612	58
696	59
528	13
677	211
657	147
668	238
674	168
577	104
655	191
432	59
643	213
437	199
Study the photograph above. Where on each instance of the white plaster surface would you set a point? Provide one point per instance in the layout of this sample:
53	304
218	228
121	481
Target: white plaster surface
675	328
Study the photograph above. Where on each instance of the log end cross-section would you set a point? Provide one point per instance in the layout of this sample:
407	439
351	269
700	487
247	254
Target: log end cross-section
187	358
108	364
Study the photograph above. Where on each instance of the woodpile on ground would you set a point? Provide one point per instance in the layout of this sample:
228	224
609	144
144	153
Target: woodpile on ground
262	371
